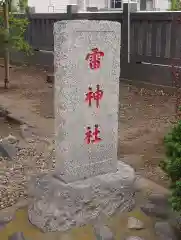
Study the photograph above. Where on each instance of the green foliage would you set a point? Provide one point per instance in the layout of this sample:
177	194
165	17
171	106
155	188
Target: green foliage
2	2
175	199
23	4
172	164
175	5
18	27
14	39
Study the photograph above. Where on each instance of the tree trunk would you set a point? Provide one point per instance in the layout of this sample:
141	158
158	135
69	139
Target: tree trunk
6	50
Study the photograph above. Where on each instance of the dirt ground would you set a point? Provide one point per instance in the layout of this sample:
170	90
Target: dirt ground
145	116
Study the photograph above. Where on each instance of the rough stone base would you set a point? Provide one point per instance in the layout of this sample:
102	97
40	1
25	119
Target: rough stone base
59	206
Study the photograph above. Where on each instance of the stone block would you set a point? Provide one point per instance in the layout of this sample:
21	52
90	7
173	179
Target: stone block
134	223
59	206
17	236
7	150
164	231
103	232
77	45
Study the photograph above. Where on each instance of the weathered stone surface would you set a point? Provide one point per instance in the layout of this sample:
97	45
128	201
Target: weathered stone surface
7	150
59	205
164	231
142	183
17	236
134	238
5	218
158	199
73	76
151	209
11	139
26	131
103	232
134	223
132	204
3	112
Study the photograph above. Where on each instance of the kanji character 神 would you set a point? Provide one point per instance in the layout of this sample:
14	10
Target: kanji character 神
94	58
92	137
97	96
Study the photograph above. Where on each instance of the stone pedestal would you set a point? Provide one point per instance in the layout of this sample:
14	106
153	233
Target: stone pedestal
59	206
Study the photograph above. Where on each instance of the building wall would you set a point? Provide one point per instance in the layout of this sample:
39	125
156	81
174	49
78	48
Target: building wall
162	5
15	5
154	5
149	5
45	6
96	3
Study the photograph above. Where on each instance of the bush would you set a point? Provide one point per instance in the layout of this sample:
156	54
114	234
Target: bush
172	164
15	38
175	5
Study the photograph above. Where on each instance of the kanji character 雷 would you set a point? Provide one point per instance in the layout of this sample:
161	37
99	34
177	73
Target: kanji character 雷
94	58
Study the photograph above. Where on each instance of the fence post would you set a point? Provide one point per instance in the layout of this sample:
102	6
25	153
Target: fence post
124	35
71	9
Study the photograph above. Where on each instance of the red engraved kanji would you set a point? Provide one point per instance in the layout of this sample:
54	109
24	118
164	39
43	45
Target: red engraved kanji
96	96
92	137
94	58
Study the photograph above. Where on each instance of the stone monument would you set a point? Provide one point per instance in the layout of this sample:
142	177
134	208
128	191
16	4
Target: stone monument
88	180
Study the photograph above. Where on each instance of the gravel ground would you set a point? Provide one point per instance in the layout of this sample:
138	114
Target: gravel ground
145	116
32	159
